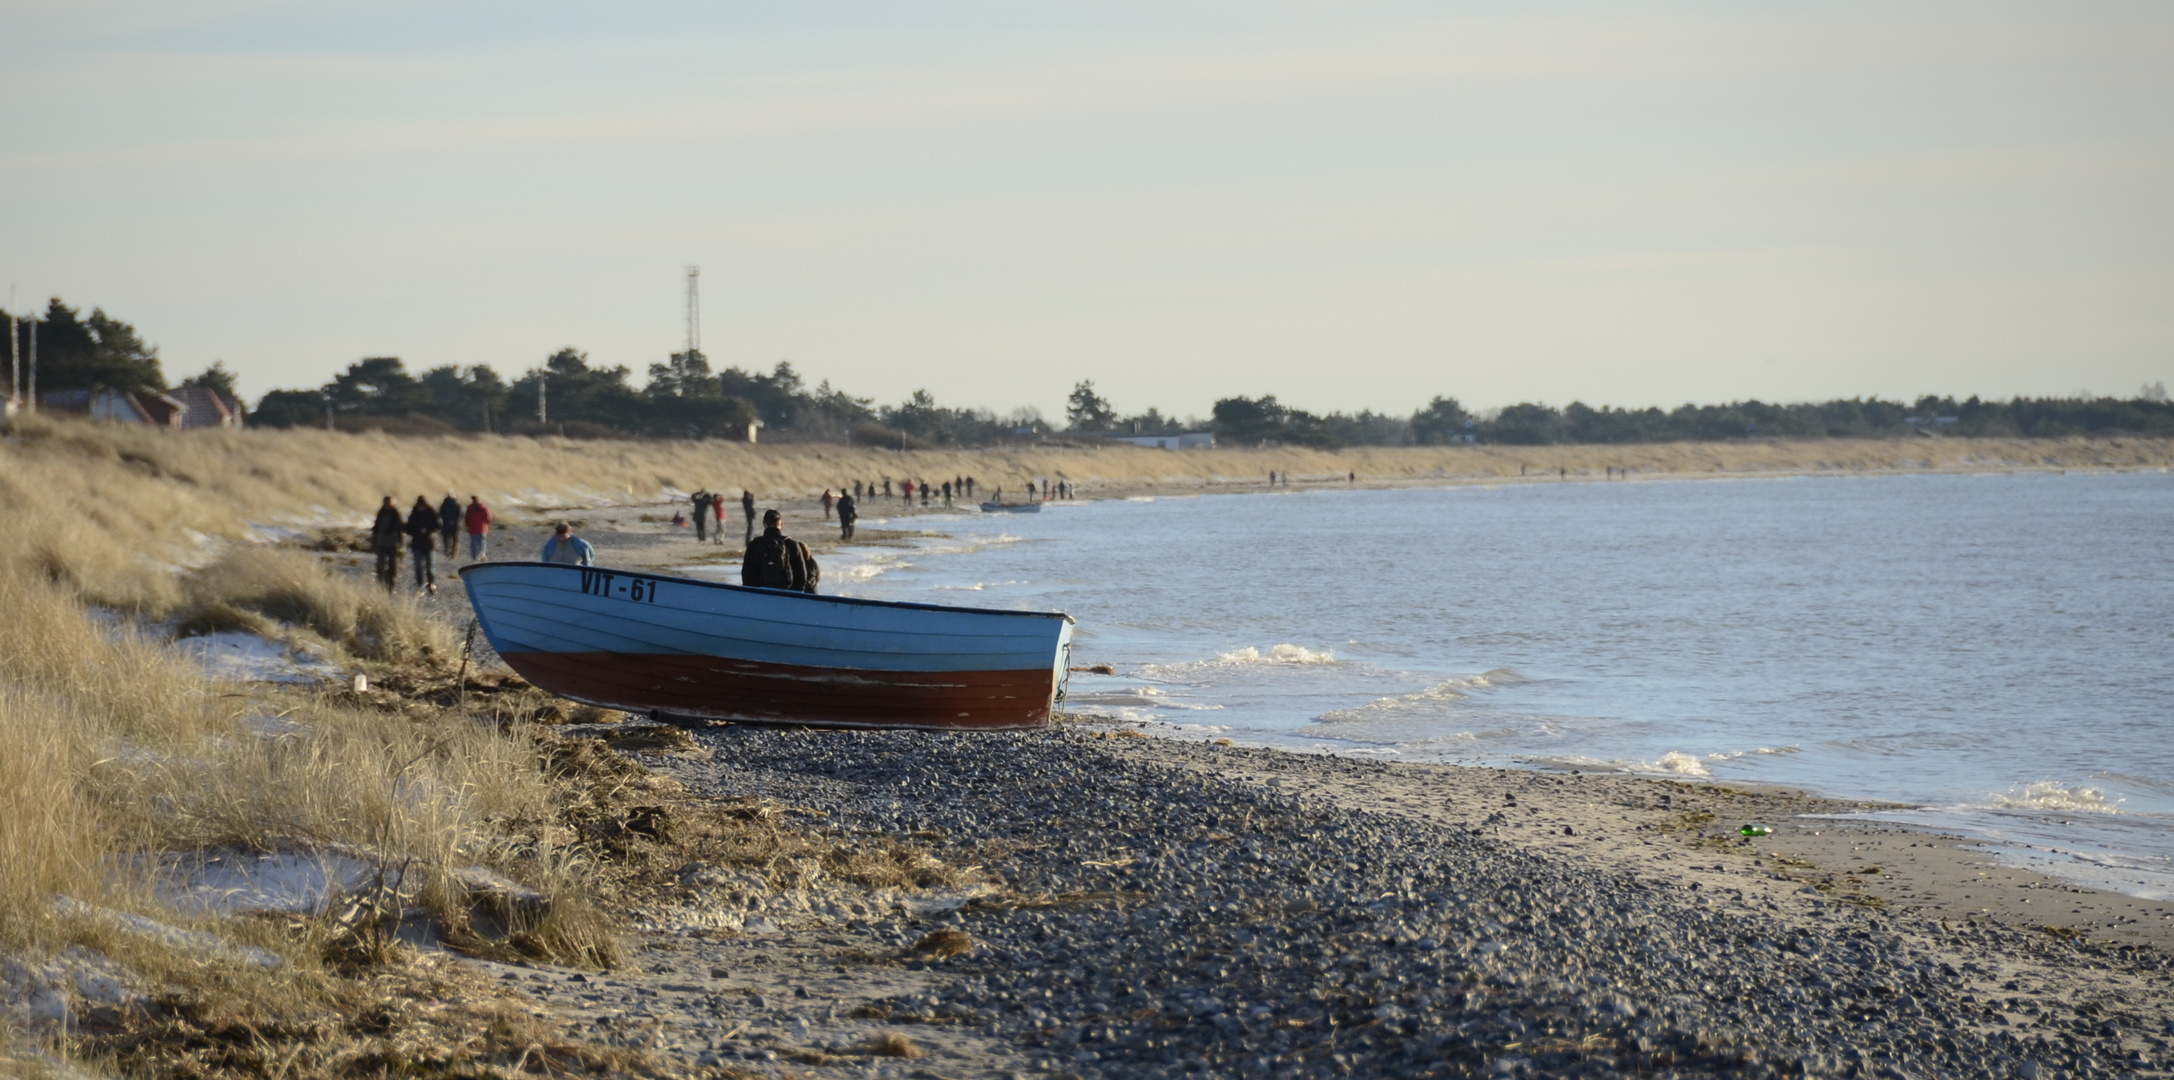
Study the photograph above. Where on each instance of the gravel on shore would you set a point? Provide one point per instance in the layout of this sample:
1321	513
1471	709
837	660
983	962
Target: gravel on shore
1167	911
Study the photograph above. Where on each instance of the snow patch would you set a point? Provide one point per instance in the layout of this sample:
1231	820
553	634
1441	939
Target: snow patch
236	656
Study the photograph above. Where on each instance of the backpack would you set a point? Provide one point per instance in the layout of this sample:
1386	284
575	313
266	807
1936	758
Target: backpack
774	562
771	566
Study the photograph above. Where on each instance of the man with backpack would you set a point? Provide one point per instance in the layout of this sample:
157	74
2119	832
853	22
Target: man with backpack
385	541
777	561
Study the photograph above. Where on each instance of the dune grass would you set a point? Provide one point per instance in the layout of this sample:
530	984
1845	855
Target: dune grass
271	591
117	753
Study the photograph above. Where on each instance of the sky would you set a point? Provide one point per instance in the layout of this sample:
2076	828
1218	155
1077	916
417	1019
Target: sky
1350	204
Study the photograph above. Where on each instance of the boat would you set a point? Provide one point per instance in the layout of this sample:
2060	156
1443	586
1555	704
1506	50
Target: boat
680	650
1011	508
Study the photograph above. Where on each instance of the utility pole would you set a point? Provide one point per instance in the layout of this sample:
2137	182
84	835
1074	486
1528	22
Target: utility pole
541	416
32	400
328	413
15	354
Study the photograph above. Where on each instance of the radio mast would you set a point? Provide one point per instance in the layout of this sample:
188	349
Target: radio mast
694	311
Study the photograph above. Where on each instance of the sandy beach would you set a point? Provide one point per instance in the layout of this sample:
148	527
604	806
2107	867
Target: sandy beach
1150	907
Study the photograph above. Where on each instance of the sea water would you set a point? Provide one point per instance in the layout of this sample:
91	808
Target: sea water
1996	651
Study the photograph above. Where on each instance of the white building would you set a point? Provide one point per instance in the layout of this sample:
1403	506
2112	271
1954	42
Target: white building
1189	440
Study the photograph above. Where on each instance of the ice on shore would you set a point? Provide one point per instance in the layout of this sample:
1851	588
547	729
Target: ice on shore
300	881
236	656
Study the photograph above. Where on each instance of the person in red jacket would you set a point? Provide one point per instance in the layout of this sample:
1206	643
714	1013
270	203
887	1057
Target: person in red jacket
479	528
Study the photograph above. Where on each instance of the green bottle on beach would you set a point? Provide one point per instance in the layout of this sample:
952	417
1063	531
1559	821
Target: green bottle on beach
1756	829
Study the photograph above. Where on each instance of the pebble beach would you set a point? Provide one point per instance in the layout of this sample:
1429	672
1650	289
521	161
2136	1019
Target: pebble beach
1164	909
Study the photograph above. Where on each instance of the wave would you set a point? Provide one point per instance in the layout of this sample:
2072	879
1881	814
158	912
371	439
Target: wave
1137	696
1427	701
1285	654
2054	795
1277	654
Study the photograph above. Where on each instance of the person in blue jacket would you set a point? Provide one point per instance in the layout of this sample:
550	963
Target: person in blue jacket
565	547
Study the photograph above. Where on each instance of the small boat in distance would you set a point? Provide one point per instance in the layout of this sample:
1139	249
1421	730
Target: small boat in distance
1011	508
680	649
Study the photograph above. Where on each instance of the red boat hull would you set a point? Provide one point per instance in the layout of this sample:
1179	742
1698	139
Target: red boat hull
717	688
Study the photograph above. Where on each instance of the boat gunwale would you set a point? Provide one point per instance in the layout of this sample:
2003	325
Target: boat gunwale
862	601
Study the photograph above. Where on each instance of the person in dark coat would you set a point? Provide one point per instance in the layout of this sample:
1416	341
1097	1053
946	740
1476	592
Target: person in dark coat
747	510
385	541
449	522
422	530
777	561
703	501
848	512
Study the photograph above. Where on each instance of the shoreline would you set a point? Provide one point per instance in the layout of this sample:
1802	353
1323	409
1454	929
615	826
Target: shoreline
1955	862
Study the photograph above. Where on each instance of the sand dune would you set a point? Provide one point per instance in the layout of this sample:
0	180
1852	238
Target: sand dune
114	509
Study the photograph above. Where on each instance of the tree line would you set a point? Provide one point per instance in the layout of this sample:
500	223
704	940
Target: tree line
683	397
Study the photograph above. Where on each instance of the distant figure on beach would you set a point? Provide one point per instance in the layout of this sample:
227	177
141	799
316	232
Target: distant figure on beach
385	541
848	512
422	530
969	487
947	494
449	524
478	520
1354	478
565	547
1271	478
828	502
777	561
886	487
747	510
703	503
905	490
856	489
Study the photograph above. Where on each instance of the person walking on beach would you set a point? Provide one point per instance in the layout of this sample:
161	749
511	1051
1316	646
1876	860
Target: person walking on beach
385	541
777	561
478	520
969	487
747	510
565	547
703	502
905	490
449	525
848	512
422	530
828	503
947	494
